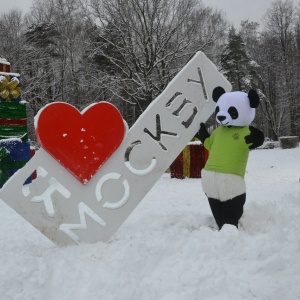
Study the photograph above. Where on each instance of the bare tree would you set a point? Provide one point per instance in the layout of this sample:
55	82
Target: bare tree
11	29
280	20
278	44
65	18
82	51
154	39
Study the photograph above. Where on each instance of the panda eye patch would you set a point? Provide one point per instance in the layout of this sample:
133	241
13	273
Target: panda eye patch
217	110
233	112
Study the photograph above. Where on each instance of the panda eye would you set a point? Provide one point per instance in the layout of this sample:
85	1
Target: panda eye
233	112
217	110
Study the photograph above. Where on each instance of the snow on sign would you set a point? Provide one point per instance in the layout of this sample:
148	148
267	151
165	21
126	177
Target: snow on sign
69	210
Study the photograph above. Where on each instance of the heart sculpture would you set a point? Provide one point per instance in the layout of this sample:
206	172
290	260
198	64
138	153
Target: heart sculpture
80	141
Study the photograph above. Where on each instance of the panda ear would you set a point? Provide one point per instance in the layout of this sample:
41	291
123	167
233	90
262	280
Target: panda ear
217	93
254	98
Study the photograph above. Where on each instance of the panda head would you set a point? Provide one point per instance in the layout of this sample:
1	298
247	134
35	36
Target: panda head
235	108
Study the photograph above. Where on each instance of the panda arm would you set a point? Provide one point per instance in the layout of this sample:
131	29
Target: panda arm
202	134
255	138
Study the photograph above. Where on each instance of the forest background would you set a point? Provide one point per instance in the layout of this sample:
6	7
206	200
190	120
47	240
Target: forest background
126	52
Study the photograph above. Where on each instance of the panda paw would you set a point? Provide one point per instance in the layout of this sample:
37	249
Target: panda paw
202	134
255	138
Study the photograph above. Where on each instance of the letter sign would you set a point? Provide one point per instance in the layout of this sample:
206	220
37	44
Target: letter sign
92	171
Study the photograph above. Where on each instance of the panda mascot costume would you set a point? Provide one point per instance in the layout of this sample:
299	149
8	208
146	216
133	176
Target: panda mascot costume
229	146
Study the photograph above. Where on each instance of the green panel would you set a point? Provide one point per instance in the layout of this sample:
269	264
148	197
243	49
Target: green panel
12	110
3	177
3	174
14	131
13	165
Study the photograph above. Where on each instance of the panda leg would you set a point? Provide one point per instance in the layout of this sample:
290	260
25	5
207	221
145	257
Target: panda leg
233	209
216	209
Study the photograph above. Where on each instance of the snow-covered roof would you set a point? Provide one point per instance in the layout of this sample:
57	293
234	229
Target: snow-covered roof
4	61
9	73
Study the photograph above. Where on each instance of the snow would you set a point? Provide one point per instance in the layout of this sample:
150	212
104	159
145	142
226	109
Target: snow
4	61
9	73
169	248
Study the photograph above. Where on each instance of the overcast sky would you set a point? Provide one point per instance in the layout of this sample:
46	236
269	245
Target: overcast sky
236	10
6	5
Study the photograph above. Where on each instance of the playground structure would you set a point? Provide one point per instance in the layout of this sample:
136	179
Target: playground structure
14	145
190	161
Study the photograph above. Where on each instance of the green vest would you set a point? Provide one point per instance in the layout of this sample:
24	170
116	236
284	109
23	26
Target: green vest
228	151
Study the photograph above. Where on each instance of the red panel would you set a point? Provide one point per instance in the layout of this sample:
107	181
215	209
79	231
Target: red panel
203	157
176	167
4	68
20	122
81	142
195	161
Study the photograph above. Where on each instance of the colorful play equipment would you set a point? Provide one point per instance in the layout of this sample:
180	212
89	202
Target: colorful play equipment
14	145
190	161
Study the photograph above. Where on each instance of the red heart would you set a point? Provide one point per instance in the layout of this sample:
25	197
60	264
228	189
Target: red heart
81	142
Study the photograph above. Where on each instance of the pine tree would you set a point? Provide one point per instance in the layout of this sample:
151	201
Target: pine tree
237	66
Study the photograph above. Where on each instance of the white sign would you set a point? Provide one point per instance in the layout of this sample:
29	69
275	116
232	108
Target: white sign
68	212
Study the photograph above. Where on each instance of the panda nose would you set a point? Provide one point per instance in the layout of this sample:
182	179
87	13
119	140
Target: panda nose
221	118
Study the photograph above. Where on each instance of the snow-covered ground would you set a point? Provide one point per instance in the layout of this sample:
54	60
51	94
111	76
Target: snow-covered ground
169	249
